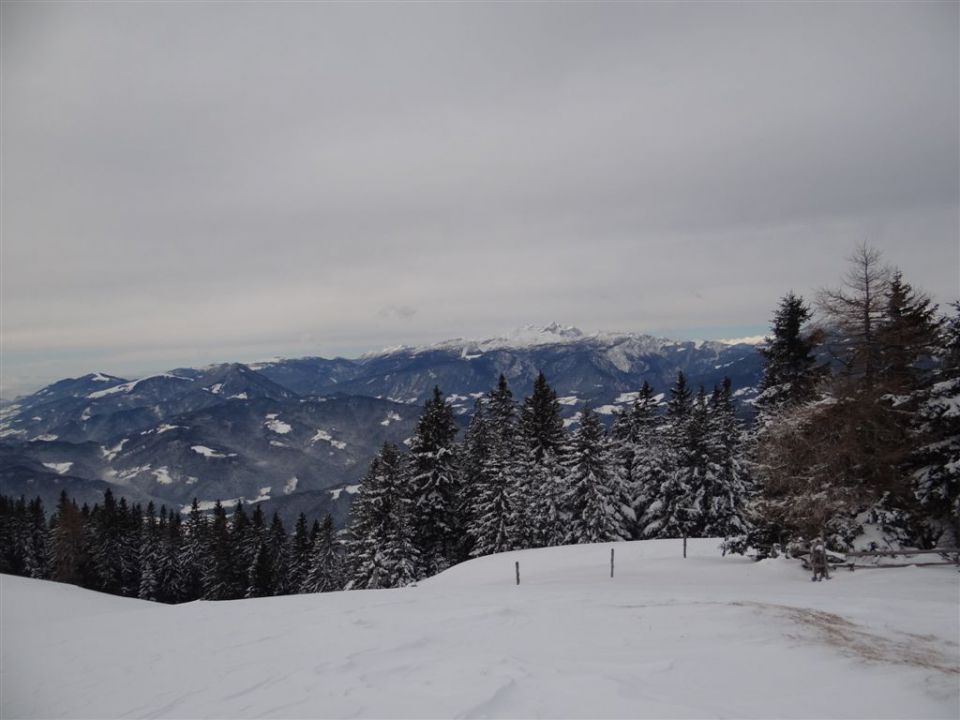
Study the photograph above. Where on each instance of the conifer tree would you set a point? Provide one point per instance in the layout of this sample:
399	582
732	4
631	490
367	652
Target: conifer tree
907	334
107	549
726	499
260	575
596	499
790	374
436	485
278	545
300	548
149	557
382	549
476	450
325	567
66	543
499	516
540	422
935	464
219	569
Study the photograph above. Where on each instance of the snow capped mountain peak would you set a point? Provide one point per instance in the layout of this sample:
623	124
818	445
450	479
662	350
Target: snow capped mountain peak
547	334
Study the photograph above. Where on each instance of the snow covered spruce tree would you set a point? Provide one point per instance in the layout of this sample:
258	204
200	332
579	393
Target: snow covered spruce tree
436	486
150	556
219	567
325	564
193	553
67	547
300	549
639	453
935	464
544	446
499	514
382	552
726	500
596	500
664	498
476	449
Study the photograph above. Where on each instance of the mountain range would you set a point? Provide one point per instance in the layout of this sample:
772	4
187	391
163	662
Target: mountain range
298	434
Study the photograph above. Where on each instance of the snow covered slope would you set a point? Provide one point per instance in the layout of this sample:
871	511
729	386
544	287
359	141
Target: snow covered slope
667	637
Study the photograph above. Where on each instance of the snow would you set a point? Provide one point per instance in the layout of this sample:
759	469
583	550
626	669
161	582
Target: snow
210	453
129	386
215	389
86	414
162	475
606	410
100	377
324	435
111	453
568	400
277	426
47	437
290	486
572	420
391	417
349	489
60	468
238	396
703	637
748	340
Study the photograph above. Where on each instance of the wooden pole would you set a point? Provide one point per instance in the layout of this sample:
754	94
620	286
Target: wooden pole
517	564
684	545
611	562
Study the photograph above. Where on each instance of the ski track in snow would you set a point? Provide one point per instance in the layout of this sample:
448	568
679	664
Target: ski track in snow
703	637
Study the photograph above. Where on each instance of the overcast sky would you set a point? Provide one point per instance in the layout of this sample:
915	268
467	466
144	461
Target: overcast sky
199	182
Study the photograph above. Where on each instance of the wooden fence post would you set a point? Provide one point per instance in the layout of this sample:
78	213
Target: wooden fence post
518	571
611	562
684	545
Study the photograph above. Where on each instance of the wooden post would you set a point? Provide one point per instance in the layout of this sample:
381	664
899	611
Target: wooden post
684	545
611	562
518	571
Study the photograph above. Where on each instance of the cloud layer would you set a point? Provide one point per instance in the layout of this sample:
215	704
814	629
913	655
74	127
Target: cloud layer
187	182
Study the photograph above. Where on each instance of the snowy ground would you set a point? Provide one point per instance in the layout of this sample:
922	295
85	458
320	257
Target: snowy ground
702	637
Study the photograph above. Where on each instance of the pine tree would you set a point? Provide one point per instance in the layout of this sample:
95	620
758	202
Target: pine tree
436	485
636	451
66	543
107	548
790	374
278	545
663	494
907	334
219	569
499	515
382	549
726	500
596	499
935	464
300	554
476	450
150	557
193	554
540	423
325	567
260	575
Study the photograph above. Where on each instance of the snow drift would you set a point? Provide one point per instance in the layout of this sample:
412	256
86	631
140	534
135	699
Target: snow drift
703	637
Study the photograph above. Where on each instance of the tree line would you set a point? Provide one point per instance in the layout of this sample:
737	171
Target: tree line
127	550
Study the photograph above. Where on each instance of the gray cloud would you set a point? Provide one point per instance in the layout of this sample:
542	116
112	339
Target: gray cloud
187	182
